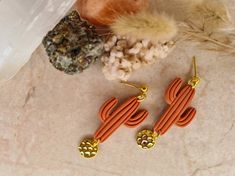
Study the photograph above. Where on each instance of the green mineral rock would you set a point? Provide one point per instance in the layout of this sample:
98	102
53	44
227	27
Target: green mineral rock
73	44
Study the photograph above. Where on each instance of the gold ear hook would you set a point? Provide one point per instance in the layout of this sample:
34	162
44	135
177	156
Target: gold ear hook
195	79
143	89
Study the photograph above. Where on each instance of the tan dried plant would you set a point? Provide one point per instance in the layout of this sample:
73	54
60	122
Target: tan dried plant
146	25
210	24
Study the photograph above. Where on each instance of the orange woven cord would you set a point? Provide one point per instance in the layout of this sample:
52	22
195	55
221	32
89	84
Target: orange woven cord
137	119
125	114
178	112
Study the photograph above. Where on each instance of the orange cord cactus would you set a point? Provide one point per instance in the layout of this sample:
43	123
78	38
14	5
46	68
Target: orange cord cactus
112	119
124	114
178	113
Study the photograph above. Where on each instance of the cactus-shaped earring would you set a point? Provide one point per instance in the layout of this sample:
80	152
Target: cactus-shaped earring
112	119
178	112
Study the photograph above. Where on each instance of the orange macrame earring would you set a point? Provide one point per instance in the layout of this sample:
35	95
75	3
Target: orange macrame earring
112	119
178	112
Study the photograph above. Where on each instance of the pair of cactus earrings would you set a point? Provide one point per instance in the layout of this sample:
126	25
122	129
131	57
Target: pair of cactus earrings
178	113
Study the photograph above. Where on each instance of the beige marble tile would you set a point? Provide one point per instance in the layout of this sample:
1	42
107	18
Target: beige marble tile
45	113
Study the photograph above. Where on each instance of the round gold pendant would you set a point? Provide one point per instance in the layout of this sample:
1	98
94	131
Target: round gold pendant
146	139
88	148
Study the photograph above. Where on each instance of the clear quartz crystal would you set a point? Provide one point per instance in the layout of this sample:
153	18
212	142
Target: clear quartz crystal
23	24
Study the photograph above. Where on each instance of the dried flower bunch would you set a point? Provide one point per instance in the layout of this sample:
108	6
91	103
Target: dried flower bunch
140	39
73	44
123	56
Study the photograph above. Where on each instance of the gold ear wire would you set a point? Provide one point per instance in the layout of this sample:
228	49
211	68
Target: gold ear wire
143	89
195	79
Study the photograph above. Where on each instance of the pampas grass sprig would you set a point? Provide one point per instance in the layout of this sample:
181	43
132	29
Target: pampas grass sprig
146	25
221	40
210	15
209	24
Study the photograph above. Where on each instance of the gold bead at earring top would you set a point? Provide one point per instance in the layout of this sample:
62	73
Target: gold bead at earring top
143	90
195	79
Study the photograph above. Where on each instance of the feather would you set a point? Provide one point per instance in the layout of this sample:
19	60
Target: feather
146	25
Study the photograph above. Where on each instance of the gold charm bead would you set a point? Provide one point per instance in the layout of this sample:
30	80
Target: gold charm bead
88	148
146	139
